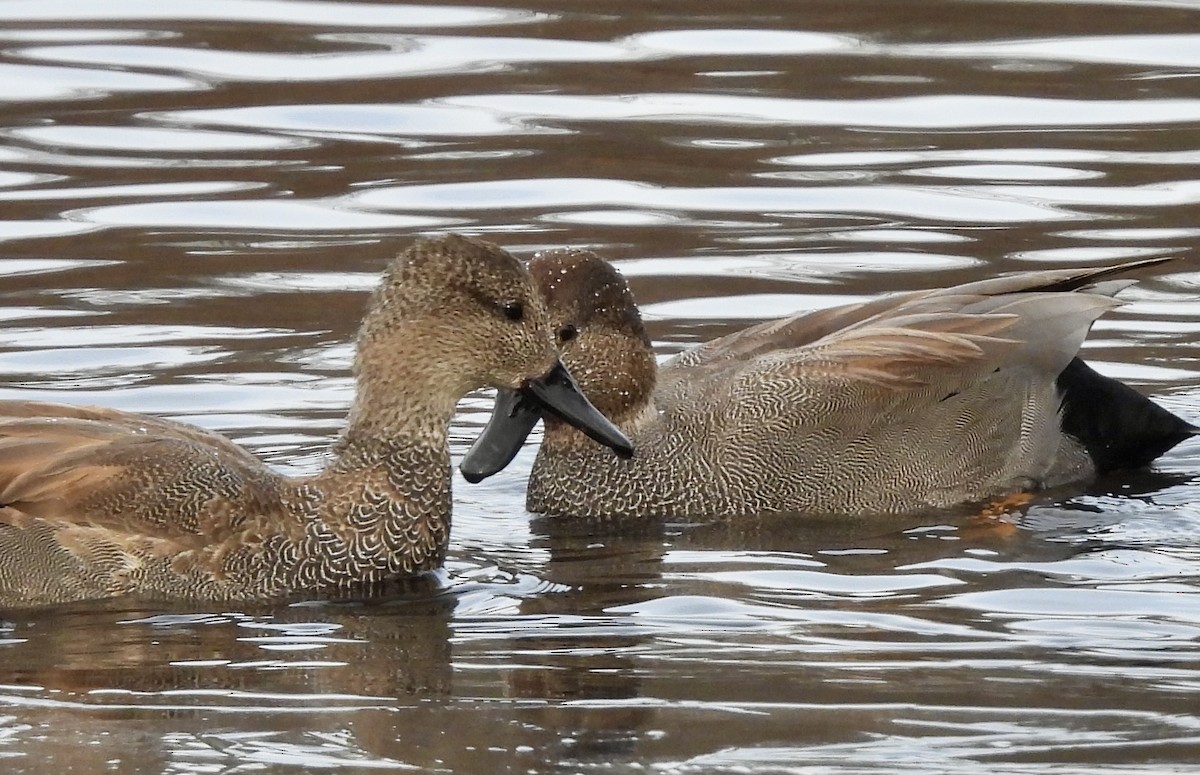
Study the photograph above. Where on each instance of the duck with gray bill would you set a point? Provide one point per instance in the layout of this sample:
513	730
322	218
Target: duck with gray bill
96	502
909	401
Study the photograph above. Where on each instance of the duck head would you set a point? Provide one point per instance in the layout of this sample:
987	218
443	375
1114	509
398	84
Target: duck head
453	314
601	341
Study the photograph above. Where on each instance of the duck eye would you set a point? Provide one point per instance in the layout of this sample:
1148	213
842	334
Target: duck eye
567	333
513	310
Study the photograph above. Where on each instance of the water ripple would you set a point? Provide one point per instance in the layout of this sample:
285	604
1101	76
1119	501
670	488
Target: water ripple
974	204
940	111
297	12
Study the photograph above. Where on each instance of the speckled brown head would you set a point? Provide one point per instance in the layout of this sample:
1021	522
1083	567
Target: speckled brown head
599	332
453	314
601	341
467	308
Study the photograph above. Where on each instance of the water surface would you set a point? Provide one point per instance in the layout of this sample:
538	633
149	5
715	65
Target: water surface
197	196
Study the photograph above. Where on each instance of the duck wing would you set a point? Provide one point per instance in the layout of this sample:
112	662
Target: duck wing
102	476
918	344
906	320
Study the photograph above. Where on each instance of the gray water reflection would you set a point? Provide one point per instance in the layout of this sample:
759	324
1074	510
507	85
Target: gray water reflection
197	196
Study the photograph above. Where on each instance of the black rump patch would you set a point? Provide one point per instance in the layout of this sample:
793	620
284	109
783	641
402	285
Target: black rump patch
1119	427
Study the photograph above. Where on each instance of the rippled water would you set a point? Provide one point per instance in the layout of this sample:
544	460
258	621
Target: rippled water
196	196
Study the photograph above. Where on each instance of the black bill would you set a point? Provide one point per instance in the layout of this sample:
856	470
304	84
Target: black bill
517	411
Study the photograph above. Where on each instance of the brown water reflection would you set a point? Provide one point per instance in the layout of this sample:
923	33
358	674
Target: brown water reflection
196	196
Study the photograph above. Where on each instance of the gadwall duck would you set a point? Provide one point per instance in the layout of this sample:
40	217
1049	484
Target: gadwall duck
98	503
925	399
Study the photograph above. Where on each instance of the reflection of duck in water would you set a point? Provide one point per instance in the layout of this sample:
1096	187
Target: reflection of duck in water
324	678
922	399
97	502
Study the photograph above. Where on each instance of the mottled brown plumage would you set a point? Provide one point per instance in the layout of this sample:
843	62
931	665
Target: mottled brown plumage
96	502
908	401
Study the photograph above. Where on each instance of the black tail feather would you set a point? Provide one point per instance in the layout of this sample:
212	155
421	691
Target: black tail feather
1118	426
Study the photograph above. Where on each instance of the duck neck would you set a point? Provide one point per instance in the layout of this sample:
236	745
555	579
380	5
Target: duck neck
385	495
384	416
400	423
405	389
